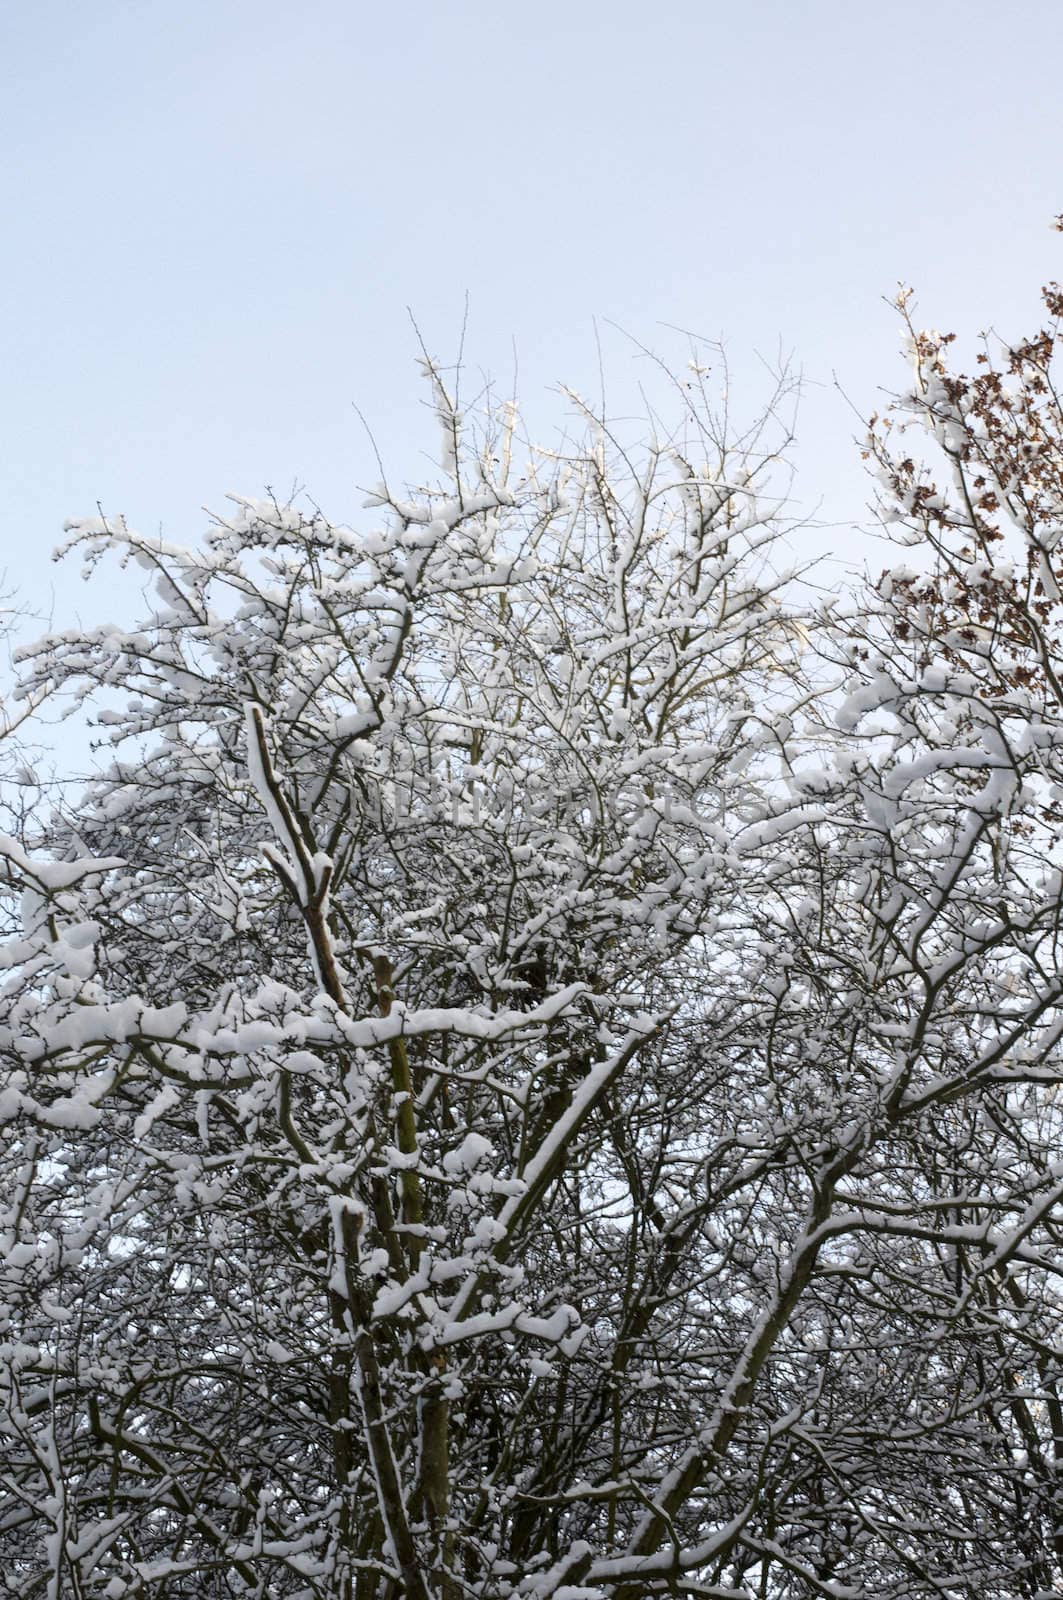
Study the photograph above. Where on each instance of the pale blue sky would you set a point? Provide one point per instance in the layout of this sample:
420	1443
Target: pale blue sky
216	214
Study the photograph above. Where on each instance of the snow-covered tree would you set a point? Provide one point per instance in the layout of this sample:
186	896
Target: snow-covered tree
533	1071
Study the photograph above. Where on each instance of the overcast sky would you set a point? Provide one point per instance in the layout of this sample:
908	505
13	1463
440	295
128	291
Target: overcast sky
217	212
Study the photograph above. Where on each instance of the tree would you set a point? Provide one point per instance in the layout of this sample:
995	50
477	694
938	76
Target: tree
533	1072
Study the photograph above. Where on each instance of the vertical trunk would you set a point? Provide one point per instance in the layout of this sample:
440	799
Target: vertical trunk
433	1496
